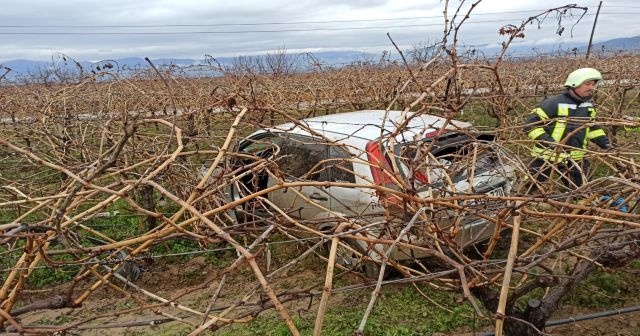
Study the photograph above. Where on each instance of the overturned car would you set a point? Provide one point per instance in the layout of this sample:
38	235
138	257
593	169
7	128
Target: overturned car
375	169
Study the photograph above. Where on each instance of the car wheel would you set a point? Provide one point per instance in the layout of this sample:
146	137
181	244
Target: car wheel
478	249
372	270
354	262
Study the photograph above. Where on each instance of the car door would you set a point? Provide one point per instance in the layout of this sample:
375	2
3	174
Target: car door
303	159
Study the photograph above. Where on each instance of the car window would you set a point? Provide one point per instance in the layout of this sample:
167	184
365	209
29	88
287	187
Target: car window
314	159
261	145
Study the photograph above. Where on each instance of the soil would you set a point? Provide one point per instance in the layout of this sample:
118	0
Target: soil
190	275
618	325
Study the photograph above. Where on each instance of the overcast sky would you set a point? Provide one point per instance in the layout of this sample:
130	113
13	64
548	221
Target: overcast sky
98	30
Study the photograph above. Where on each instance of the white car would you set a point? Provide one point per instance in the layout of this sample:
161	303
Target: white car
358	166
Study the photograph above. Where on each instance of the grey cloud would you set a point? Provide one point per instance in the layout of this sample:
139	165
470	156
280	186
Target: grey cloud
480	29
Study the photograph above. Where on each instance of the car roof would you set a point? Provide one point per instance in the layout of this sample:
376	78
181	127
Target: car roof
359	127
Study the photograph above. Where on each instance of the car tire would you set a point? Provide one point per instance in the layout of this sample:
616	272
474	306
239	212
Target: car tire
348	259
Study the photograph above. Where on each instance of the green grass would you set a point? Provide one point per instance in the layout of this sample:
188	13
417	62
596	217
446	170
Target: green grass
44	276
123	224
604	289
8	215
399	311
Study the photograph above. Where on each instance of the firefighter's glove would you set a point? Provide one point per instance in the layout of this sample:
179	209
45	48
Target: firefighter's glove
620	202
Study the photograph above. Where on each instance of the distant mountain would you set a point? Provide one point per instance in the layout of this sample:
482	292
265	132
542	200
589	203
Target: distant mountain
614	45
22	67
619	44
529	50
332	58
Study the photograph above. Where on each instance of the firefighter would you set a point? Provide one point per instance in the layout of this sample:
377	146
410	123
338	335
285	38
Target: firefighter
559	127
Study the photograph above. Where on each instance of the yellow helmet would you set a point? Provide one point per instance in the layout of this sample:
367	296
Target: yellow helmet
582	75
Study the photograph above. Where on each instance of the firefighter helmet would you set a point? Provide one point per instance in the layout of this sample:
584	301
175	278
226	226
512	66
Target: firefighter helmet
577	77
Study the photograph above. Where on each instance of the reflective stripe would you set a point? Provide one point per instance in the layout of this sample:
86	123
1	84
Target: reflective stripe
548	154
561	124
568	106
594	134
536	132
541	113
592	113
558	130
555	156
577	155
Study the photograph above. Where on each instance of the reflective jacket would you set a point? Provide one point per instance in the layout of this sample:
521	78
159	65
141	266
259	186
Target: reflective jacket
561	120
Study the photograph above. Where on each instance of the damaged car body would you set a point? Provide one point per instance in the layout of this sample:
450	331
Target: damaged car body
374	169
